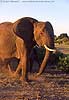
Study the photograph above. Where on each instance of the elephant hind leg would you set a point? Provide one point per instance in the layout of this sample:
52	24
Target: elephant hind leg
11	65
6	66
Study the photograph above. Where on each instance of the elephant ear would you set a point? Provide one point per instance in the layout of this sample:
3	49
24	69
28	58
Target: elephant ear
24	29
49	29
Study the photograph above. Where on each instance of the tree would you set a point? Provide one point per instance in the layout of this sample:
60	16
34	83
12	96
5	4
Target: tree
63	35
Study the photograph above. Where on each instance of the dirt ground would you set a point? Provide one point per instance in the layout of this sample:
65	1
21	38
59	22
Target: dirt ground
51	85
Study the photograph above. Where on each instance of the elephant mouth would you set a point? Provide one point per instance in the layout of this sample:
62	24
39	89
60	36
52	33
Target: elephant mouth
49	49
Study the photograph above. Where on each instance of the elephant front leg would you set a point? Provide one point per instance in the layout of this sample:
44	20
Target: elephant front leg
22	55
24	68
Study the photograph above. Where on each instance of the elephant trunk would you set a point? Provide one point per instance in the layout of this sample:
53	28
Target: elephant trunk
44	62
46	57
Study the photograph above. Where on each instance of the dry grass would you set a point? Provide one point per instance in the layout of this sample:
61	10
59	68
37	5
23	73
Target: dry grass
63	48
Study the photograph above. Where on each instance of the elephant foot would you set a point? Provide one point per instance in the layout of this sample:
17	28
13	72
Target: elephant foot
14	75
10	73
23	79
38	74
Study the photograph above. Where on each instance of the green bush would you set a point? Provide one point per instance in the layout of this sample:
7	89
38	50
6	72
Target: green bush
63	62
60	60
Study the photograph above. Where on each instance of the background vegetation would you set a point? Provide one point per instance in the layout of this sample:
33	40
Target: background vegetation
59	59
62	39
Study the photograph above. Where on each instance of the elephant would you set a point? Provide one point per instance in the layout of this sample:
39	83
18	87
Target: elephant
9	44
17	40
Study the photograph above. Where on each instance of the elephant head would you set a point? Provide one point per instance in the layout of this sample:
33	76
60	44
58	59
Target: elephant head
44	36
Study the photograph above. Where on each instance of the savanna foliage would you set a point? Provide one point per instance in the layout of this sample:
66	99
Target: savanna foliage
63	38
62	62
59	60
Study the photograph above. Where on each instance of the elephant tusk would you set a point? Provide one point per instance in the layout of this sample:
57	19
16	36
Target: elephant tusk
49	49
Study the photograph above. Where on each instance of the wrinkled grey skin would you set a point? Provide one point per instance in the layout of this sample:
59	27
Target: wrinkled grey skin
18	39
